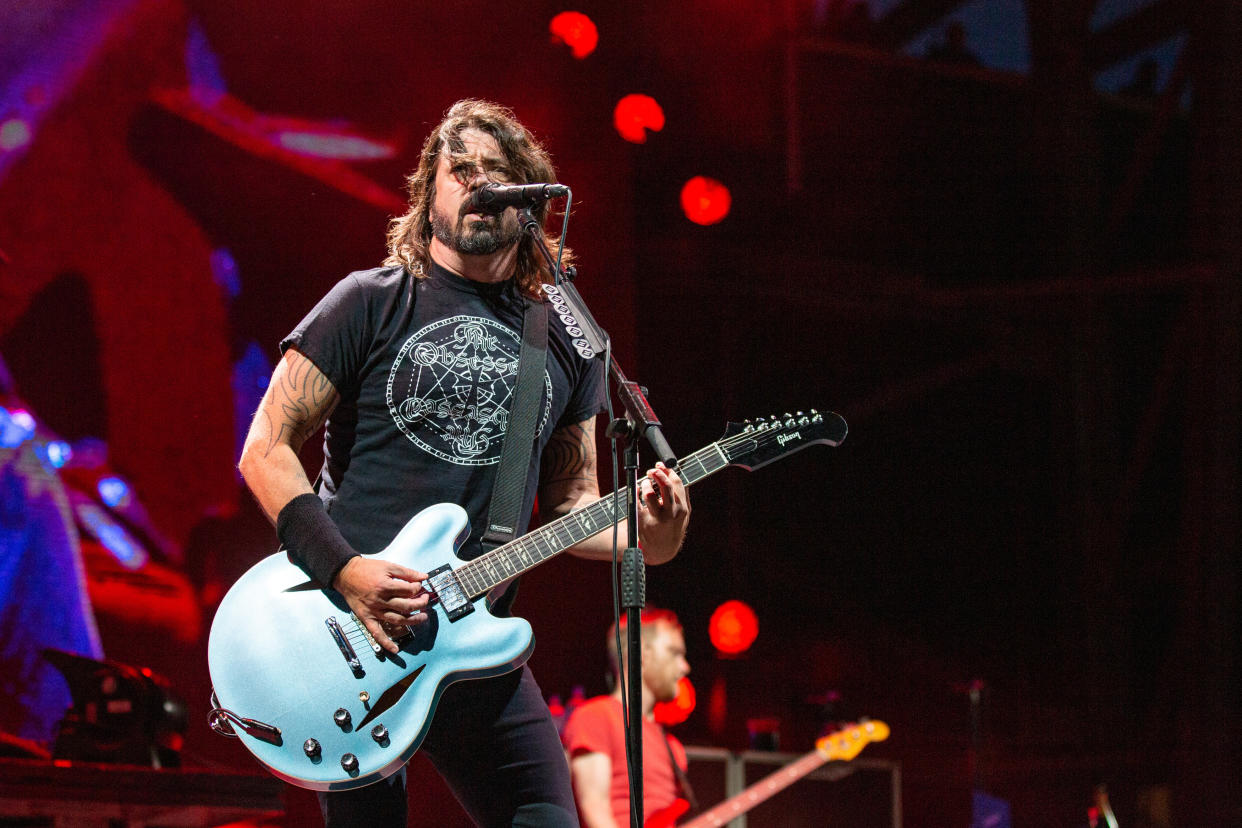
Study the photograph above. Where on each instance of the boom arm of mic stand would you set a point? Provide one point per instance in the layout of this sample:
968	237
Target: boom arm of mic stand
638	411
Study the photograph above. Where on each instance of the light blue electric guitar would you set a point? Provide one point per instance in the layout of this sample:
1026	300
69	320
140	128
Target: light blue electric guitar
301	682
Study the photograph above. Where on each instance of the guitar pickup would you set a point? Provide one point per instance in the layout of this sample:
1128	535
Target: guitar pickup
447	591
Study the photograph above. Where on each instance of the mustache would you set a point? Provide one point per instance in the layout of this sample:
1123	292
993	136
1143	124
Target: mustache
467	207
466	210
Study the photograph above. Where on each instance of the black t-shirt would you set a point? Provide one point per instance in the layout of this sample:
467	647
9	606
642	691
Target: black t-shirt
426	372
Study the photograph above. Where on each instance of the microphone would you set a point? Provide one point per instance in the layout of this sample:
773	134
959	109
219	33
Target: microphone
494	198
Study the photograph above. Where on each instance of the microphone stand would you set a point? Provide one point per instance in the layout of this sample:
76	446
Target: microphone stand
640	421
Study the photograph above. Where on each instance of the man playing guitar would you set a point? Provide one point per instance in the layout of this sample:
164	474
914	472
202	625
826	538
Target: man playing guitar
413	367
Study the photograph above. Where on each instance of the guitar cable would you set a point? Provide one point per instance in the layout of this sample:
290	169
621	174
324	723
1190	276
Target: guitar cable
219	720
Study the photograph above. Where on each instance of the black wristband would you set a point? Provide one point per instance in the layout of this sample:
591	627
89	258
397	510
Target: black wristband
311	537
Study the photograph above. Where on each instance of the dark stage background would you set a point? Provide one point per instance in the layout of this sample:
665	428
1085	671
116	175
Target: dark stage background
1021	292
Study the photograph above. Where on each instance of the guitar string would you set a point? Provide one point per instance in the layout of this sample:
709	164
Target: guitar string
503	553
471	575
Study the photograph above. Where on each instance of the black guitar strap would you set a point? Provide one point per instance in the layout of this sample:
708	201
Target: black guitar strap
509	489
683	781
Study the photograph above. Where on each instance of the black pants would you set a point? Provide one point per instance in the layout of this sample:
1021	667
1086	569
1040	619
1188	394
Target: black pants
494	743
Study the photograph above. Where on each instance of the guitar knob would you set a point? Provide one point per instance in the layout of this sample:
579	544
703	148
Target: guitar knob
341	717
349	762
311	748
379	733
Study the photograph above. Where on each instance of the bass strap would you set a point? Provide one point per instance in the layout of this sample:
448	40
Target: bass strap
683	781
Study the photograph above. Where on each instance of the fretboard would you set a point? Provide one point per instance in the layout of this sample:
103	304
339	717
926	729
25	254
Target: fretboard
484	573
757	793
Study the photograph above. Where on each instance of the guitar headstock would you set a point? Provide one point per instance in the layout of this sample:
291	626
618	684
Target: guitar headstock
755	443
849	742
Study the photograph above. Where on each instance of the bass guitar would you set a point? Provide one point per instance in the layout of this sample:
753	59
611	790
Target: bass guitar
843	745
300	681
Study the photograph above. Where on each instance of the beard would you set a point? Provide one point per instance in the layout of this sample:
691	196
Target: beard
480	237
668	691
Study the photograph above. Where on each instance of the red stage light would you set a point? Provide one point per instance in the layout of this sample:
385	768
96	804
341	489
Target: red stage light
575	30
705	200
733	627
679	709
634	115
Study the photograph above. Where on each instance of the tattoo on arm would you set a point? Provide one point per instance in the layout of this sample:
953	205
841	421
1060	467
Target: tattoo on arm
297	406
569	455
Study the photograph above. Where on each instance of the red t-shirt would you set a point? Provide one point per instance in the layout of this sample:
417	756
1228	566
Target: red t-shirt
597	727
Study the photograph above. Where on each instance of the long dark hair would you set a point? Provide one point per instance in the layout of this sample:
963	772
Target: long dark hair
409	236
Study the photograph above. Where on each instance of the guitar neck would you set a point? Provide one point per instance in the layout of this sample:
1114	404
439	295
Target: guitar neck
486	572
757	793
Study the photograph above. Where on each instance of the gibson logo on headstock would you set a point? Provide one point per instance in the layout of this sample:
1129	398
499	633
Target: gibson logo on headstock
785	438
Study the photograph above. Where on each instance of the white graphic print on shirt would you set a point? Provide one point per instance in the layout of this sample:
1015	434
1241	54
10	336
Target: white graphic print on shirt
451	387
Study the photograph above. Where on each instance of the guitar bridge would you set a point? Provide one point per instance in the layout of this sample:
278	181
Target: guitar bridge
398	633
447	591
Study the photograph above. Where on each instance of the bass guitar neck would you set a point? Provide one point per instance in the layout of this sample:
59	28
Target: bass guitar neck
841	745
